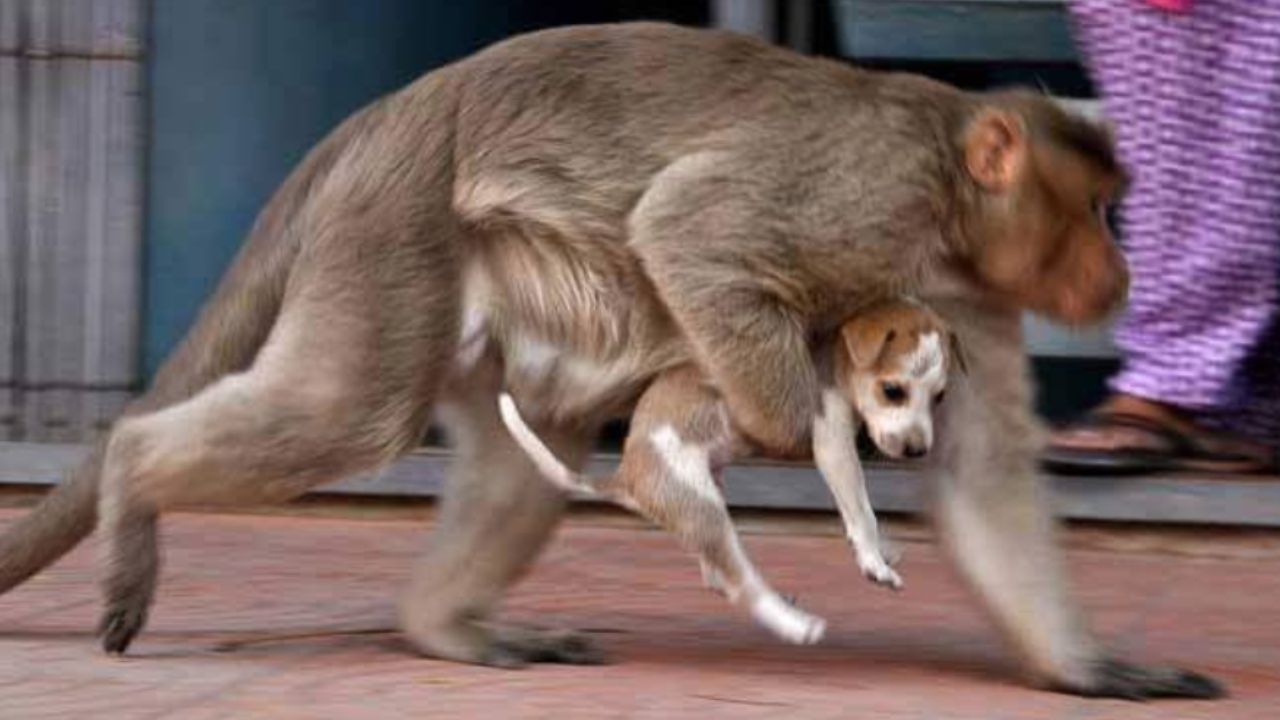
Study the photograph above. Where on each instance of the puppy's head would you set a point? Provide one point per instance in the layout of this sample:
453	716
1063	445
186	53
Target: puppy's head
893	360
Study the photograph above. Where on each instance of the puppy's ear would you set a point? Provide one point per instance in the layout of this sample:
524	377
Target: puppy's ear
957	353
865	341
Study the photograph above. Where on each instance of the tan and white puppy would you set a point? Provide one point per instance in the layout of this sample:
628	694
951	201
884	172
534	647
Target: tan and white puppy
887	368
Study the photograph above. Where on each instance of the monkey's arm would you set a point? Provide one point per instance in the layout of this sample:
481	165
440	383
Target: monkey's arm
993	511
756	355
719	262
754	350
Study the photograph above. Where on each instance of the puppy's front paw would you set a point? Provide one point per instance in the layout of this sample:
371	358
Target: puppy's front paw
877	570
876	560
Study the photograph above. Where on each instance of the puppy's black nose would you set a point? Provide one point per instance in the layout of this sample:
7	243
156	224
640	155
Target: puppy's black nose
914	451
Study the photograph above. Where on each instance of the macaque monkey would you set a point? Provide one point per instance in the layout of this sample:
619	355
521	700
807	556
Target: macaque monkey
568	213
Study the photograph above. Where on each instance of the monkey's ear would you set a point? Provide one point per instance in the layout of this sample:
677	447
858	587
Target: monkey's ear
958	353
864	342
995	149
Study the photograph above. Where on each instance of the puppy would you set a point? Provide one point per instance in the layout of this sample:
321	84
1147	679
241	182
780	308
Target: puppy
888	367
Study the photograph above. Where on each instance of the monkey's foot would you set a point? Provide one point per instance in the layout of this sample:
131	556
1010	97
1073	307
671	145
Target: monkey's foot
550	646
120	624
1119	679
788	621
505	646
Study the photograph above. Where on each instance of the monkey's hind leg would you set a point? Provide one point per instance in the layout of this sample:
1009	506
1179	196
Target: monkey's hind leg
497	515
258	436
344	384
132	568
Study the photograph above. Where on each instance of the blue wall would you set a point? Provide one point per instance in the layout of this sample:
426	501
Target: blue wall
240	89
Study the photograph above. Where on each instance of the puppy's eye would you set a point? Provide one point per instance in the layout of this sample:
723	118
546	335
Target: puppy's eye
893	392
937	399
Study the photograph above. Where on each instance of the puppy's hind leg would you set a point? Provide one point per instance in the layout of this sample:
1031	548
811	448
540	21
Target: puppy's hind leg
676	490
659	480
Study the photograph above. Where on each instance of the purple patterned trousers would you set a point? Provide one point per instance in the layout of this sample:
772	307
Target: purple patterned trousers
1195	98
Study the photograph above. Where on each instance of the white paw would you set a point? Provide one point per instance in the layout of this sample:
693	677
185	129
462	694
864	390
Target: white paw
876	558
877	570
787	621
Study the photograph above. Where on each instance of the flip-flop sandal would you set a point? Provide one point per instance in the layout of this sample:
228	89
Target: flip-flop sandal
1169	450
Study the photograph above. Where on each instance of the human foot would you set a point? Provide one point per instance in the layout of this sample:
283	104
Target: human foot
1132	435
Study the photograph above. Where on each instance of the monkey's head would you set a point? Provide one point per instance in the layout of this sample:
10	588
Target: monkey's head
1040	182
893	360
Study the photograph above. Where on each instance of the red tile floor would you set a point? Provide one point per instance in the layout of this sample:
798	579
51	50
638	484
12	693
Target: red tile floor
269	616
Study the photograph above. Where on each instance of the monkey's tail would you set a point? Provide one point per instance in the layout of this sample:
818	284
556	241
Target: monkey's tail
225	338
543	459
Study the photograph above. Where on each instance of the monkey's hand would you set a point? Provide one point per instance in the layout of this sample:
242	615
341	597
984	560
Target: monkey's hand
1118	679
755	354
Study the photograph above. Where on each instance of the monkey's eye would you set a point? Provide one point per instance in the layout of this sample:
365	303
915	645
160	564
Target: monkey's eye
893	392
937	399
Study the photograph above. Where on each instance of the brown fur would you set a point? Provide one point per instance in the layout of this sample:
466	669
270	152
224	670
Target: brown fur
685	194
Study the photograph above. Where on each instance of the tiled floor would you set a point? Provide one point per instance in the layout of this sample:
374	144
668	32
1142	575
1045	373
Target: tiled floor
260	616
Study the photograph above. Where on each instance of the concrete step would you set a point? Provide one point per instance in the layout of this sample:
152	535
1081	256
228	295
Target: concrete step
894	487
